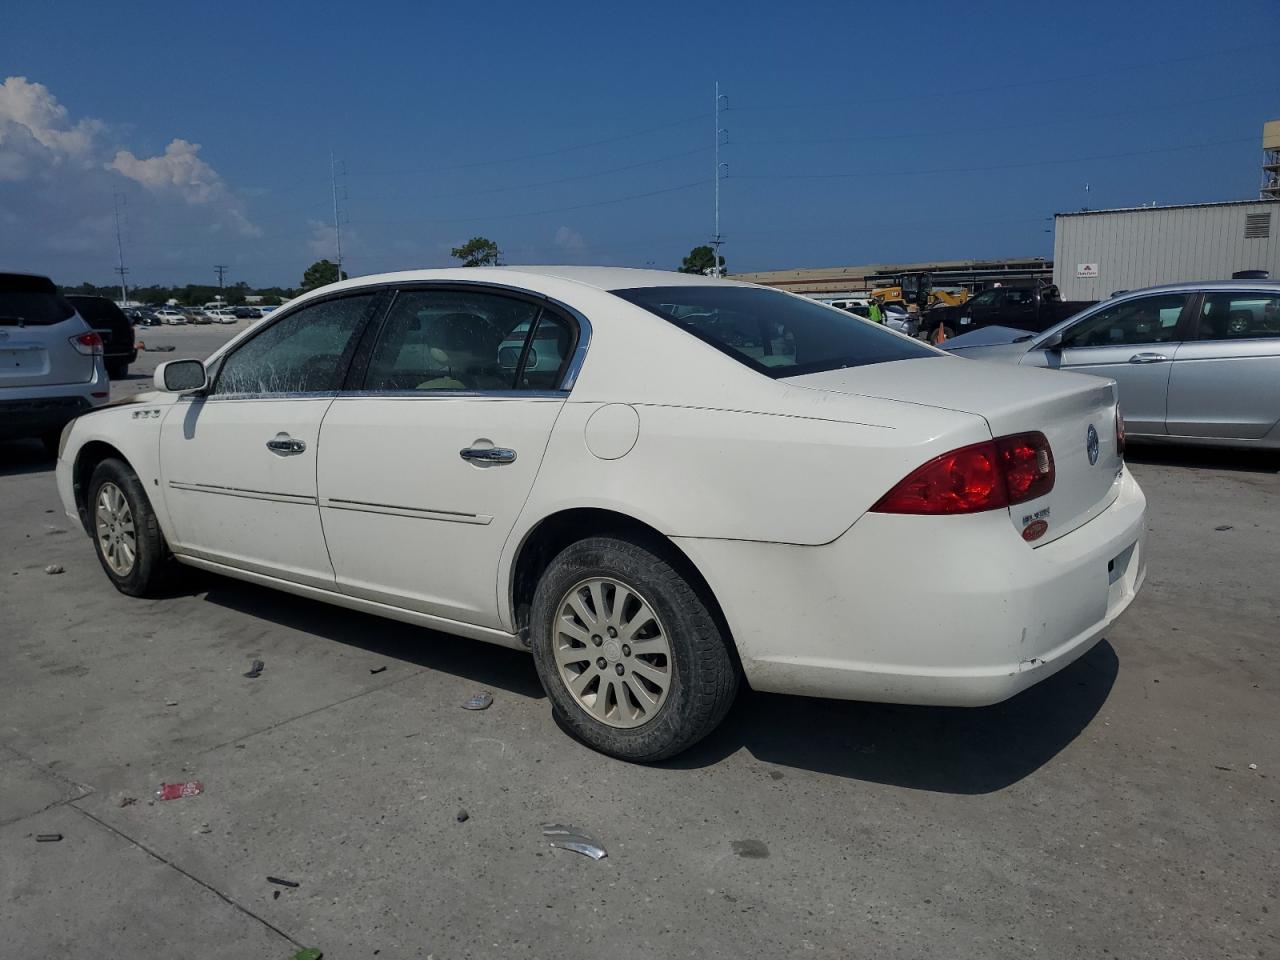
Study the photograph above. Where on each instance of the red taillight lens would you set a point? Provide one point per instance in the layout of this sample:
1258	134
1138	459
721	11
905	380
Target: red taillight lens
984	476
90	344
1119	431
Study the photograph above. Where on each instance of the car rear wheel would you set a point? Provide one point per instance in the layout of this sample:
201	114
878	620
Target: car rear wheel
126	535
631	655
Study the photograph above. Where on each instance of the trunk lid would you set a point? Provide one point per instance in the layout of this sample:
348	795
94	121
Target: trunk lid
1012	399
36	327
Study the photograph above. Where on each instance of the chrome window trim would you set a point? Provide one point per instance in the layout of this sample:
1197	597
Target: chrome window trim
387	395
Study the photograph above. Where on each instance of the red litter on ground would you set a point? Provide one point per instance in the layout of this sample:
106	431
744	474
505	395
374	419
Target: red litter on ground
176	791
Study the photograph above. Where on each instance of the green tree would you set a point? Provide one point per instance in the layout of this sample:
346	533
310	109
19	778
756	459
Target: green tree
477	252
701	260
320	273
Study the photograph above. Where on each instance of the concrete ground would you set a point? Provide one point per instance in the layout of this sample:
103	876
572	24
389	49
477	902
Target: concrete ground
1124	808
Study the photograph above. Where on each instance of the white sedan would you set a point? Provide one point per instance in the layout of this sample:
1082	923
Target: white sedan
660	484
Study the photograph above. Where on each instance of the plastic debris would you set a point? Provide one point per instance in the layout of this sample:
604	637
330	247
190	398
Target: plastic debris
55	568
377	669
1253	766
1225	526
463	816
255	670
571	838
178	791
171	703
280	881
481	701
48	837
310	953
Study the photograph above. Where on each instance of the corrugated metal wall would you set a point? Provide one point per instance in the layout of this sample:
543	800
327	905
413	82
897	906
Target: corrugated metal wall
1138	248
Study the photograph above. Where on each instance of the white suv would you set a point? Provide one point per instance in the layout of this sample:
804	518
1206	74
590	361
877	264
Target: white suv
51	366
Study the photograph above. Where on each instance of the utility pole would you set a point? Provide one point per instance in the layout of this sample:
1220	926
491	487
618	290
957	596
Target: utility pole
221	269
337	224
121	269
716	239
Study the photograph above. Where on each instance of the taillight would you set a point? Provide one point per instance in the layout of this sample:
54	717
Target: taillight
90	344
1119	431
983	476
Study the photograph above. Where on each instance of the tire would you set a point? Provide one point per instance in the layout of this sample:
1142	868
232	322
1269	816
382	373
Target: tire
661	611
152	567
117	370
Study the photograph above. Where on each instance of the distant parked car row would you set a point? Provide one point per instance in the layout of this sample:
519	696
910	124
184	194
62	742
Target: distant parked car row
149	316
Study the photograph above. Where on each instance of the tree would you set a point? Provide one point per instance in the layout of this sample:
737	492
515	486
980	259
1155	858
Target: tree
477	252
701	260
320	273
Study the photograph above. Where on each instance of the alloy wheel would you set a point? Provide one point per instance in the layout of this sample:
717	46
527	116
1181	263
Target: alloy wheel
117	538
612	652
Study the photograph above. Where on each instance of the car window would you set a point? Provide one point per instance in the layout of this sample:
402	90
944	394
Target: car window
1137	321
1237	316
466	340
1018	298
985	299
28	301
772	332
307	351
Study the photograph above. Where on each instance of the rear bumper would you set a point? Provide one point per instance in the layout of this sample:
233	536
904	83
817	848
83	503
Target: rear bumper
989	616
38	416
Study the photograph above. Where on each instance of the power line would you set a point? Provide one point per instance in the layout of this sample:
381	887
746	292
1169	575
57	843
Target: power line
221	270
121	269
999	166
337	225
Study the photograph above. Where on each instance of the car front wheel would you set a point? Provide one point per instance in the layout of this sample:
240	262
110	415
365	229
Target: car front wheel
630	653
126	535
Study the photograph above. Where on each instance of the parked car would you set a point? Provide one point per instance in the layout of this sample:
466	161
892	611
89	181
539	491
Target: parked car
1033	308
116	329
1195	362
197	315
226	315
51	365
170	315
714	483
246	313
897	318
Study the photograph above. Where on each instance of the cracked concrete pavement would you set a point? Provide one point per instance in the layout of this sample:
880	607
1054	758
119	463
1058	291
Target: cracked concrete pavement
1112	808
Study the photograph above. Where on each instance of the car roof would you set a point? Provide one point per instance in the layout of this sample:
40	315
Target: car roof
1196	286
601	278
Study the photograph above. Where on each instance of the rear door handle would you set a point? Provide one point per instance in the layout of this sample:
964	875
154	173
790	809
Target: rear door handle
1148	358
488	454
285	445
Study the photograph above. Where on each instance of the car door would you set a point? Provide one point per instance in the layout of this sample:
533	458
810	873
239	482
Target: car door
977	312
423	473
239	462
1225	382
1134	343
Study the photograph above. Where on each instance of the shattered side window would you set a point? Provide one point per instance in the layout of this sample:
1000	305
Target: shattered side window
305	352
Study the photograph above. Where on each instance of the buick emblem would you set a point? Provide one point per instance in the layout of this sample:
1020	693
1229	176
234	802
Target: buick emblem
1091	444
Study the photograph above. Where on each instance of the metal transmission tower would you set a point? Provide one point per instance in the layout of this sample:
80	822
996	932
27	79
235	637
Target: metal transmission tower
337	223
221	269
721	135
121	269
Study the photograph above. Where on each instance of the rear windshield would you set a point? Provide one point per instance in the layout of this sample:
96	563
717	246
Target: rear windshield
99	311
774	333
30	302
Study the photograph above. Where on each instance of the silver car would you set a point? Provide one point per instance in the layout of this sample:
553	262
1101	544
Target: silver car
1196	363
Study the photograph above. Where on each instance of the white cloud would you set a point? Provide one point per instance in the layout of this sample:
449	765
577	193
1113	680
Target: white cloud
35	126
569	240
178	168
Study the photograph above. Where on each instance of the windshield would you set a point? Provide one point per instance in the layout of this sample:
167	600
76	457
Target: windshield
30	302
774	333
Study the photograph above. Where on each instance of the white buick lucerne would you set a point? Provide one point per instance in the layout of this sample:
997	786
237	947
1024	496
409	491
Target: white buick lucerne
660	484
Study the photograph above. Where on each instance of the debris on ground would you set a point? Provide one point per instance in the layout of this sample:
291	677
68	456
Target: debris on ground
571	838
281	882
55	568
310	953
377	669
1253	766
463	816
177	791
481	701
275	894
1225	526
171	703
48	837
255	671
127	801
750	849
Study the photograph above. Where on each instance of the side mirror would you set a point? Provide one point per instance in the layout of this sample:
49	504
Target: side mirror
180	376
1054	343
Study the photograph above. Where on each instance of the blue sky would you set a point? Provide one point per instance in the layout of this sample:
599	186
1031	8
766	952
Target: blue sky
583	133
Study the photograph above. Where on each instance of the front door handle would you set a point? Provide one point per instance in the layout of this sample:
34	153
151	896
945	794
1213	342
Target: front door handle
286	445
1148	358
488	454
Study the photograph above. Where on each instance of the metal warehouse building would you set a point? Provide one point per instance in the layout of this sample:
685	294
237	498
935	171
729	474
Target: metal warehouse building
1096	252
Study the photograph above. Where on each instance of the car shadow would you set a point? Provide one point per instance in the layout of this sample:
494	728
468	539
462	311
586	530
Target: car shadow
938	749
24	456
1168	455
485	664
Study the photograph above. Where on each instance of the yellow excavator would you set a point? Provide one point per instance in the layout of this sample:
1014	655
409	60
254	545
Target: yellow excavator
914	293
